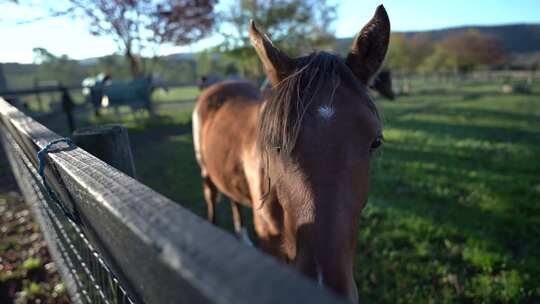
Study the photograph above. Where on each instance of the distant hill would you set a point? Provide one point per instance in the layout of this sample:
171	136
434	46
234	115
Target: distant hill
516	38
181	56
520	40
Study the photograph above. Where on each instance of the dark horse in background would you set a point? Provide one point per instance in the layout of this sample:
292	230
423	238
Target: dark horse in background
382	84
301	158
102	92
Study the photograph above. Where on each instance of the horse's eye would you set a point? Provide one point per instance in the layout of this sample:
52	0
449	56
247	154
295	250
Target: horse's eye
377	143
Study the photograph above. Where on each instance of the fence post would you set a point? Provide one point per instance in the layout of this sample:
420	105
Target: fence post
110	143
38	95
67	107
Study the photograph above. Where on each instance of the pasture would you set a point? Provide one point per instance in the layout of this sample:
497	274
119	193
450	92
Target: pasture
453	214
48	101
429	193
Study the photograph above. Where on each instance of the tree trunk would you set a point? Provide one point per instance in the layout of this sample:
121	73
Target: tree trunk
133	63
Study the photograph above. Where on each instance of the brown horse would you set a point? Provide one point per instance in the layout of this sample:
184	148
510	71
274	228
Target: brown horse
381	83
301	158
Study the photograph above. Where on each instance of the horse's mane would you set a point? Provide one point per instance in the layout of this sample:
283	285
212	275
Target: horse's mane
290	100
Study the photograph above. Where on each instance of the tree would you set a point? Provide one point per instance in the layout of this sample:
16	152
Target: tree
408	53
136	25
438	61
296	26
398	57
42	55
421	46
60	68
471	50
462	52
206	63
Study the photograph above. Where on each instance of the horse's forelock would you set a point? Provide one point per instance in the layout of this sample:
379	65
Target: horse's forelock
289	101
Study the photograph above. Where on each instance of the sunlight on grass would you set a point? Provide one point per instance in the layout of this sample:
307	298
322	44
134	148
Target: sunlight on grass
176	94
452	214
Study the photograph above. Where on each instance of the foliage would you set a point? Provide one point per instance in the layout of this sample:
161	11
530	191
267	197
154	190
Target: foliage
438	61
408	53
397	56
137	25
296	26
212	62
462	52
471	50
170	69
61	69
31	264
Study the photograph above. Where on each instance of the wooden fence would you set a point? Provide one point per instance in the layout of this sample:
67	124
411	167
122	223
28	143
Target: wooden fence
494	81
117	241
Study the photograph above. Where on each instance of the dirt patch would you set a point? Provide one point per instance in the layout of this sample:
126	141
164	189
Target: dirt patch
27	273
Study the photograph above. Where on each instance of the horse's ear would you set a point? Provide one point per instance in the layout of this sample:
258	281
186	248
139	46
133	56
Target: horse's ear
277	64
370	46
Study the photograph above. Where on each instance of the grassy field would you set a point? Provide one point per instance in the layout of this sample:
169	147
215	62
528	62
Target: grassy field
49	101
454	214
176	94
454	211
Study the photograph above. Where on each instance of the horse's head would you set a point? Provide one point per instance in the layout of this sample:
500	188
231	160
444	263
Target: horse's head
317	132
383	84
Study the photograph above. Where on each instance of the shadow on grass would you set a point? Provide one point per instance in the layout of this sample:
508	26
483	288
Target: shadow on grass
465	213
453	214
462	131
165	161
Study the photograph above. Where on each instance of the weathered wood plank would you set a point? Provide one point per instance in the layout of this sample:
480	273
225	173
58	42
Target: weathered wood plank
168	254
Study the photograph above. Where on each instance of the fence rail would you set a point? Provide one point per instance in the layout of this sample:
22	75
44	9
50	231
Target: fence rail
128	244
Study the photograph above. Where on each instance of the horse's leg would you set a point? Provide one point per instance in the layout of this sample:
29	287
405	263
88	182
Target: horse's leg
268	231
238	221
210	195
237	217
267	215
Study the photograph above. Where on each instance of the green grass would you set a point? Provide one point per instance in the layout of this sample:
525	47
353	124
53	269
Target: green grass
176	94
454	213
49	101
454	209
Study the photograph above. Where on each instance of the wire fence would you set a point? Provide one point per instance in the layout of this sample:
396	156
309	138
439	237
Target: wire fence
499	82
90	280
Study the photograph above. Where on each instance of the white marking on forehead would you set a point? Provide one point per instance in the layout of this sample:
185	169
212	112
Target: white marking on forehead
326	112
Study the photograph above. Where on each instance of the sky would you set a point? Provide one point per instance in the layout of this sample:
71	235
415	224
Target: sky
70	37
